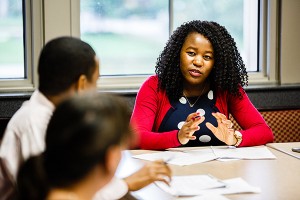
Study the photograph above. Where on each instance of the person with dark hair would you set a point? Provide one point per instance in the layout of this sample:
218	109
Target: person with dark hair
84	140
199	81
66	62
67	66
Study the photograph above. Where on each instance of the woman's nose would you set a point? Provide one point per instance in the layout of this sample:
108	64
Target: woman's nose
198	61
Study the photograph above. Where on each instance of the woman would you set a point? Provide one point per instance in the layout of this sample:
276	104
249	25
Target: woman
84	140
199	78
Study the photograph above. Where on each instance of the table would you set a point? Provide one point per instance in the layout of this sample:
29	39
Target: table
286	148
278	179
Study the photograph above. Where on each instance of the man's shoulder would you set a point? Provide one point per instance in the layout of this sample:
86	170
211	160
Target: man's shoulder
22	114
30	113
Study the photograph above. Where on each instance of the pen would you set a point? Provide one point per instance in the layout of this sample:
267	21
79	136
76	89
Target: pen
168	159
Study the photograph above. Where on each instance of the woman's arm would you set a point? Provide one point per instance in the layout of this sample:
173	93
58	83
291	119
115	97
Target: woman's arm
255	131
149	110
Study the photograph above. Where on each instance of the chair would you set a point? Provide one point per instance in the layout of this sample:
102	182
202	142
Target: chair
285	124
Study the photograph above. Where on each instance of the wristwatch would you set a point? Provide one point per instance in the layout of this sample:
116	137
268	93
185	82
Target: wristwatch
239	138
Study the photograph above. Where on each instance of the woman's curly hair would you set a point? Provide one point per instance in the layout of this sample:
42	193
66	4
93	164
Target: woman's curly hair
228	73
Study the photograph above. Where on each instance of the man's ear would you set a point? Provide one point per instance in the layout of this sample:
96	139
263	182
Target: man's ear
81	83
113	158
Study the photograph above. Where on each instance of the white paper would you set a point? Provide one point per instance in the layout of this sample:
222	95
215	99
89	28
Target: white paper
190	185
253	153
191	156
179	158
206	197
234	186
206	185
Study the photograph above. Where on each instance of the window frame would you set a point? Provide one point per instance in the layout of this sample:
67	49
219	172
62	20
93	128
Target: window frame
33	43
37	33
268	59
267	55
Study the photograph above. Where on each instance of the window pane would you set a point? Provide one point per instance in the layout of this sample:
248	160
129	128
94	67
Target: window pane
11	39
240	17
128	35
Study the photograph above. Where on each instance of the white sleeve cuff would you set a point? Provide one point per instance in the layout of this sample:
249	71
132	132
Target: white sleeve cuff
115	189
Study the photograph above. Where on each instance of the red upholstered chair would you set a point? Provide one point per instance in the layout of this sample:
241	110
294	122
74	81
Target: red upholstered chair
285	124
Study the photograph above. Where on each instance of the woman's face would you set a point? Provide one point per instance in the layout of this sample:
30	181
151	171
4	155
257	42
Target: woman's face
196	59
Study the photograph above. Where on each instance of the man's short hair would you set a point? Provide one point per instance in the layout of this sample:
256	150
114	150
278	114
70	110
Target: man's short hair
62	61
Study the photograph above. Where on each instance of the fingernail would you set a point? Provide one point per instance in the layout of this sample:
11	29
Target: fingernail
197	117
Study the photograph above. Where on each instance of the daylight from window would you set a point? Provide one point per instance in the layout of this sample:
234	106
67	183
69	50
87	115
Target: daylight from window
129	35
11	40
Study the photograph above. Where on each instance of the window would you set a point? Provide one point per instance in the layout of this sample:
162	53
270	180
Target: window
11	39
20	22
129	35
240	17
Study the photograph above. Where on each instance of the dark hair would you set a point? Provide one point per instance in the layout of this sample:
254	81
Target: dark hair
79	134
61	63
228	72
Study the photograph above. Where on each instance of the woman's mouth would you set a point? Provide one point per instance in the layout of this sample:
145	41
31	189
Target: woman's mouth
194	72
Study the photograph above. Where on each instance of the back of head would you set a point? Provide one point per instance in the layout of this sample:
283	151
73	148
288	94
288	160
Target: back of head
61	63
88	126
31	180
80	133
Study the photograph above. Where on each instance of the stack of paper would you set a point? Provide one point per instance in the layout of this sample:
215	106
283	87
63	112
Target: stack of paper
179	158
183	156
252	153
206	197
204	185
190	185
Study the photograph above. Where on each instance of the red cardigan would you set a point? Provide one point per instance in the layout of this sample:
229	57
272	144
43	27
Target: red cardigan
151	107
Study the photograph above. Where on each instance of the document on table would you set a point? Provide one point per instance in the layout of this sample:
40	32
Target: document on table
206	185
252	153
234	186
206	197
190	185
189	156
179	158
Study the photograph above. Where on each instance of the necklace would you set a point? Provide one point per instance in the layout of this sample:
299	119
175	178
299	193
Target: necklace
192	105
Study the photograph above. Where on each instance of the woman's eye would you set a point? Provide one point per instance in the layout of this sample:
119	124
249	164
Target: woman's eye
207	57
191	53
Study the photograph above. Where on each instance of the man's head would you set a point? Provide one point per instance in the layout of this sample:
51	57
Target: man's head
67	63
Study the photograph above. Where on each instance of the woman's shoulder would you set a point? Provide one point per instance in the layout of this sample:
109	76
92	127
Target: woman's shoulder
151	85
152	78
151	81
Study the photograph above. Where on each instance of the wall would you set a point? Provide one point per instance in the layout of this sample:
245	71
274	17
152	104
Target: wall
61	17
285	95
290	42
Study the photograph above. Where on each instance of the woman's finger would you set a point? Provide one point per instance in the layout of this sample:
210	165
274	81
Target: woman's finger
211	127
